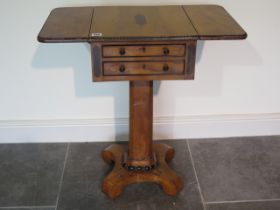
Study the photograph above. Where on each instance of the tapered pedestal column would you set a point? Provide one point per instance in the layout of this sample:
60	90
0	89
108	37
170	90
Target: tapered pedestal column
141	161
140	148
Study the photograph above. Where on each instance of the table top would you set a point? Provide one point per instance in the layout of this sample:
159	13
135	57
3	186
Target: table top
124	23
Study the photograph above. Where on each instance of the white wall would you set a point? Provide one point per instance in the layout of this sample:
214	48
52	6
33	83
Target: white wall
46	93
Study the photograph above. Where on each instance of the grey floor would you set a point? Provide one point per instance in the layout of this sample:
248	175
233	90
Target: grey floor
220	174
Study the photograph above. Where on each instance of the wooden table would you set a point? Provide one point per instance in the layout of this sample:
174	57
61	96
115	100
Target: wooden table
141	44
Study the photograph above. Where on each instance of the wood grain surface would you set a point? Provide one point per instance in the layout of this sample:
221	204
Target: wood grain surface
140	122
141	22
143	50
119	177
120	23
69	24
214	22
144	68
161	67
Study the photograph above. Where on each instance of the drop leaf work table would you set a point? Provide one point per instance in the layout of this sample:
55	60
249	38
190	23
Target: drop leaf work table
140	44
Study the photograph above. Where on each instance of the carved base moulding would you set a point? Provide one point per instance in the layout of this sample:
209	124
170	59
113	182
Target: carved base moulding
120	177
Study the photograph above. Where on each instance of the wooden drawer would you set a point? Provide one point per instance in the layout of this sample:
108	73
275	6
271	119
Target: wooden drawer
143	68
143	50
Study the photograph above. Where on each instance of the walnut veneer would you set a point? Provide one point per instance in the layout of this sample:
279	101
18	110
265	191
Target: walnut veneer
140	44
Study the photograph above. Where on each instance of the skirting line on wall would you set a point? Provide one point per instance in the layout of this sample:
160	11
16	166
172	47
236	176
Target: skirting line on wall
117	129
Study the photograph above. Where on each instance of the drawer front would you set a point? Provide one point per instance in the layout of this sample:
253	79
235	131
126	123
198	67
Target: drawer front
143	68
143	50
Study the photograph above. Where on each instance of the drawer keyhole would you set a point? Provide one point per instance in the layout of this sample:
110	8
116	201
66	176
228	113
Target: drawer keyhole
166	51
122	68
165	68
144	66
122	51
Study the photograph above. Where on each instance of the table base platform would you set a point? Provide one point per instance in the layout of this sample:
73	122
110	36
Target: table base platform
120	177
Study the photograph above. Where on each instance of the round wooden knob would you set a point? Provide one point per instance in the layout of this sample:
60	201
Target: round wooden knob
122	51
122	68
166	51
165	67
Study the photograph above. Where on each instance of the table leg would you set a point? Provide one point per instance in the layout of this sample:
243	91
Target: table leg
143	161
